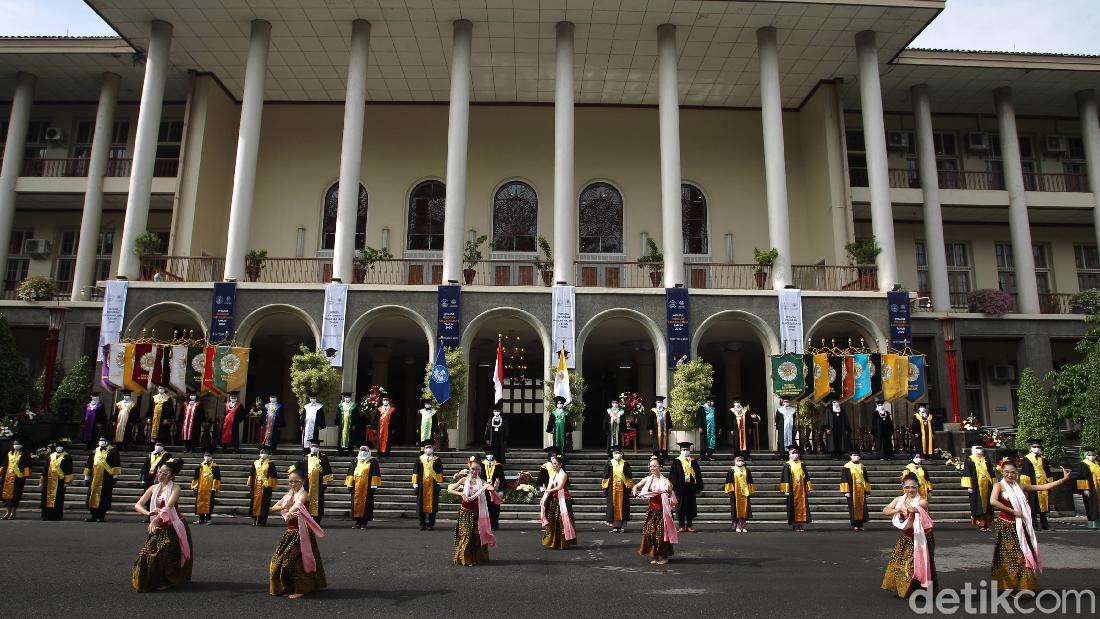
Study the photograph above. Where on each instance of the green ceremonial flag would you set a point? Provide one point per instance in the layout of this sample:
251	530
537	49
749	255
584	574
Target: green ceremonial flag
788	375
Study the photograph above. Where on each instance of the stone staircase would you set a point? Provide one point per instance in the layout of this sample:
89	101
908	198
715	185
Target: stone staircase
395	499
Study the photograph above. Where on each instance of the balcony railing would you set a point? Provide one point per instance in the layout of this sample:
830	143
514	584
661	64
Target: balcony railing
904	178
77	167
10	289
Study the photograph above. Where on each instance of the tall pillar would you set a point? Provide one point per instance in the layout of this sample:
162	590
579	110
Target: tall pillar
351	153
248	148
878	176
1090	135
668	109
145	147
84	272
565	203
1027	289
458	130
775	168
934	251
13	159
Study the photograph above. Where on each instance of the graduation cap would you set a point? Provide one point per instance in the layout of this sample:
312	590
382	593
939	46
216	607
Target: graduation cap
1034	442
977	443
617	449
330	352
367	445
94	394
1088	449
559	399
685	444
854	452
127	392
346	393
315	441
794	449
880	401
710	397
659	398
234	393
263	448
736	400
426	442
426	401
613	401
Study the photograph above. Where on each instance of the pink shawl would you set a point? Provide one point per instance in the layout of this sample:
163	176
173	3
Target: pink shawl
170	515
307	527
484	528
668	501
1025	530
566	522
919	521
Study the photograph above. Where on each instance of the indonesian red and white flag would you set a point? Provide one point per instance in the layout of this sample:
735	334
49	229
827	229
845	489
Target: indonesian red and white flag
498	374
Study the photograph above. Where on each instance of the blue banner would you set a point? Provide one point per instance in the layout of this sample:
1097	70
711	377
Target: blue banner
862	382
901	330
439	383
449	326
918	386
678	326
221	311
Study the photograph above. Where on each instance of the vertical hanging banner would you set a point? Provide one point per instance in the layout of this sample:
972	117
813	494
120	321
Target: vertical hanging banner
861	366
114	308
449	323
678	325
901	329
221	311
788	375
332	323
564	321
790	320
918	385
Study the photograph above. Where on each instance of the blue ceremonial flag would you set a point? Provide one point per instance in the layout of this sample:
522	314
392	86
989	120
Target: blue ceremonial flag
918	385
863	377
439	382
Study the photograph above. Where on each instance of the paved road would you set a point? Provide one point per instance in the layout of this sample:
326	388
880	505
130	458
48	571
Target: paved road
392	569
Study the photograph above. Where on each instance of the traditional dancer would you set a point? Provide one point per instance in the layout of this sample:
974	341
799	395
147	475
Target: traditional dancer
348	424
95	421
923	431
614	422
318	474
978	480
1016	558
556	507
494	476
856	487
660	428
916	468
496	434
312	421
160	416
559	425
261	480
14	474
126	420
207	483
687	481
882	426
912	563
229	437
1088	482
153	463
707	423
740	488
296	567
426	477
386	429
616	481
785	425
272	421
191	422
1035	470
795	484
165	559
741	430
837	431
473	531
56	474
659	533
362	480
103	468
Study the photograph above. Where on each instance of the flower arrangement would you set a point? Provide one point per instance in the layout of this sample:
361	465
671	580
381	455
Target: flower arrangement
631	402
36	288
989	301
520	490
6	428
373	399
257	409
971	423
951	460
993	438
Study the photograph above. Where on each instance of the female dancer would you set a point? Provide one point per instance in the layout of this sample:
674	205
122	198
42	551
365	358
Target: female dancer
659	528
1016	557
165	559
296	567
557	505
912	564
473	533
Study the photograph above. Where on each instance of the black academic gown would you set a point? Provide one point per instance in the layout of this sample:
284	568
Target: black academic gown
686	488
494	472
427	506
56	512
736	425
15	493
928	435
149	469
362	490
1086	482
1028	469
317	482
496	438
160	430
609	492
318	425
786	484
837	442
259	494
882	425
113	462
979	500
856	517
660	428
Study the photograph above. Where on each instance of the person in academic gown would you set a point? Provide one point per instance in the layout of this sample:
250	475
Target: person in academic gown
882	426
837	431
917	470
741	429
614	423
57	473
362	480
740	489
127	421
559	426
660	428
311	422
270	424
426	478
493	472
166	558
687	482
262	479
786	425
924	434
153	463
102	469
1088	482
556	511
1035	470
319	473
94	422
709	423
795	484
616	484
496	437
192	417
426	421
387	426
229	435
349	429
160	416
978	480
856	487
207	483
13	476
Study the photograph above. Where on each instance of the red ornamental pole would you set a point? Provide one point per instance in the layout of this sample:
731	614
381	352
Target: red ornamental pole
953	380
56	316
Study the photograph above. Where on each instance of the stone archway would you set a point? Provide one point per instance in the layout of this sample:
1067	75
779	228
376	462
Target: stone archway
849	329
165	319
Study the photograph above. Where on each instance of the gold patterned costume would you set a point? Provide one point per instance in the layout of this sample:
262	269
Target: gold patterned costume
469	550
287	574
158	563
899	571
1010	569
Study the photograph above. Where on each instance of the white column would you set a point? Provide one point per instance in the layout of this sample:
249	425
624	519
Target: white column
1090	134
458	130
874	137
668	110
13	159
84	272
934	251
775	168
565	200
1027	290
145	147
248	148
351	153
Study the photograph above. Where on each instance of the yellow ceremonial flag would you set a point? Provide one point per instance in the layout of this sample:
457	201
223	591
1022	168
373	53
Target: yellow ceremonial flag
821	376
235	365
895	376
129	360
561	377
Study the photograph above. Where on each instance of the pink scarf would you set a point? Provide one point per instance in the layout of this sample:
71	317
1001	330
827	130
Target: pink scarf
919	520
662	487
169	515
1025	531
307	526
484	528
566	523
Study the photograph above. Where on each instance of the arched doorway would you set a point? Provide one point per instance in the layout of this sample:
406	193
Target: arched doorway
850	330
167	320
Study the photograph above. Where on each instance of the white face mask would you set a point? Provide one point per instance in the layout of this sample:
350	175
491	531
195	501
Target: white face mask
314	450
102	443
232	399
272	400
737	406
496	414
263	456
363	456
684	453
1036	450
880	408
836	407
855	458
615	406
794	456
488	457
126	398
17	446
59	449
385	402
916	460
191	397
738	463
207	459
347	399
977	451
95	399
617	456
429	451
312	400
559	406
160	390
923	413
1091	457
157	449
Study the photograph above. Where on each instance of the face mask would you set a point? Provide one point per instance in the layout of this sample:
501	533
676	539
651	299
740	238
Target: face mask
560	406
685	453
362	457
313	400
617	456
976	451
314	450
855	458
192	398
836	408
429	451
1036	450
496	414
272	400
207	459
738	463
794	456
158	449
102	443
17	446
60	449
880	408
263	456
385	402
1092	458
488	457
916	460
737	406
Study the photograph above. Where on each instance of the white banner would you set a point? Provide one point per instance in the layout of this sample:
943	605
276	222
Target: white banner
564	320
332	323
114	308
790	321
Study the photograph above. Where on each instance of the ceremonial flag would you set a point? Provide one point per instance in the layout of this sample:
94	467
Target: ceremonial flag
439	381
561	377
230	368
821	376
134	375
156	372
808	375
788	375
209	363
116	374
894	376
836	368
875	365
861	366
105	368
196	366
177	368
498	374
918	385
847	377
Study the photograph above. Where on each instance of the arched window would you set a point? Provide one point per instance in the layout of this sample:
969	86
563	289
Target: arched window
693	213
515	217
328	226
427	209
600	220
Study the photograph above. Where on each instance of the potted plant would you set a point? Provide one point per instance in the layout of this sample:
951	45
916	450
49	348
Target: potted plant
254	263
1086	302
365	259
989	301
36	288
691	382
862	254
764	258
545	264
146	243
471	256
653	260
446	414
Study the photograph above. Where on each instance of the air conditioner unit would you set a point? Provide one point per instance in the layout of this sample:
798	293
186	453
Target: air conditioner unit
897	140
1055	144
977	141
36	248
54	135
1003	373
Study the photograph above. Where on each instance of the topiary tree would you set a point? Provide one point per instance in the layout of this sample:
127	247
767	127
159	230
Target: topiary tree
576	393
457	368
691	382
35	397
76	384
311	373
1077	387
1037	418
14	377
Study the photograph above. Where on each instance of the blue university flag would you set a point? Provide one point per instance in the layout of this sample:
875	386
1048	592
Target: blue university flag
918	385
862	366
439	382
